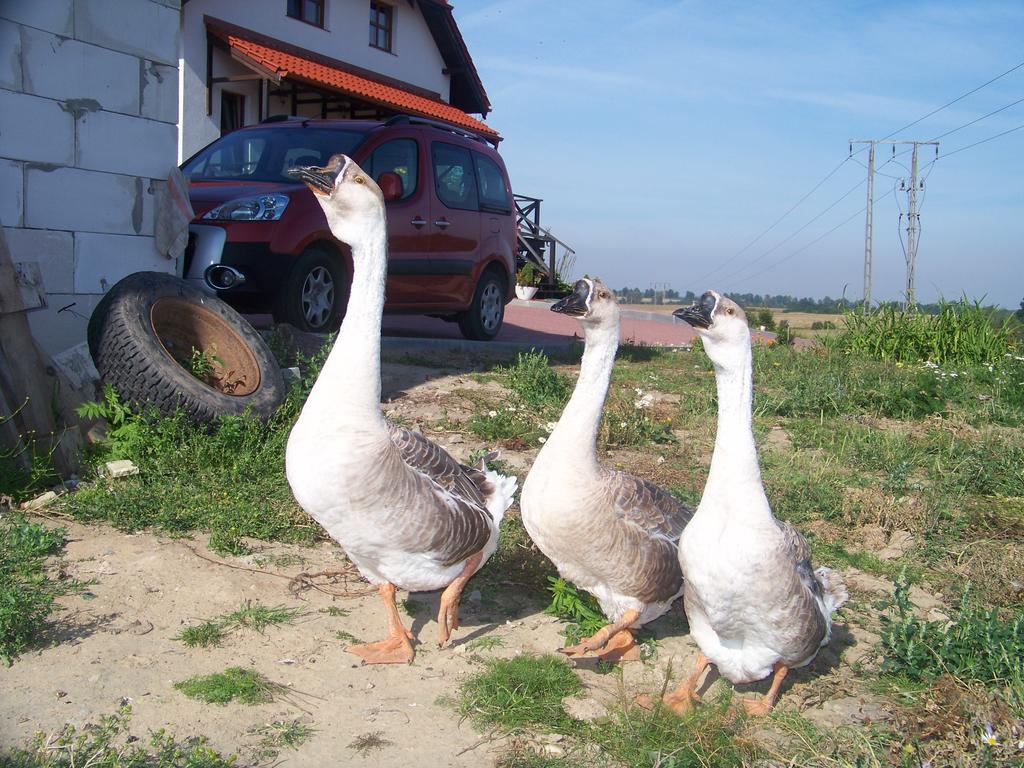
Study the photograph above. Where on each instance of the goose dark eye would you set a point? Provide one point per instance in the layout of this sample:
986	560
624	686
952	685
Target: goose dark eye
360	180
731	312
603	294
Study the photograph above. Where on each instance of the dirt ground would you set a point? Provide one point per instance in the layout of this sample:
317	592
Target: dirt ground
115	642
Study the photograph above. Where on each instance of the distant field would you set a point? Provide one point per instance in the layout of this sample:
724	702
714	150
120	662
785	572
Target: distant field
800	322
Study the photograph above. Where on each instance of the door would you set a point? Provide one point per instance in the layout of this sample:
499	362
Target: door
454	221
408	219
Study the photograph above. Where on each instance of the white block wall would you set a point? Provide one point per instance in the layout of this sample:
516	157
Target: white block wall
88	134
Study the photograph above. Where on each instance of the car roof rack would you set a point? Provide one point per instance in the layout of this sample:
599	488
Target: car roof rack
414	120
284	118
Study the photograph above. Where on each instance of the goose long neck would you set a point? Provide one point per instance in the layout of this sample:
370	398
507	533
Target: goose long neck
350	379
734	466
576	431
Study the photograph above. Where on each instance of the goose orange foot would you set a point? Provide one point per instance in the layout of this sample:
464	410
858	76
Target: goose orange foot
396	649
619	647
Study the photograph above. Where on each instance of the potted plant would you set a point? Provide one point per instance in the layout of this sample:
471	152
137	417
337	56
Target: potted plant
526	281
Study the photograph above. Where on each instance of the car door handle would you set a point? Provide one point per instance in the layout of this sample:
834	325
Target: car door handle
442	223
419	221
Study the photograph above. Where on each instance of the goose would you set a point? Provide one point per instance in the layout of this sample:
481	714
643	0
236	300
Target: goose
755	605
406	513
612	534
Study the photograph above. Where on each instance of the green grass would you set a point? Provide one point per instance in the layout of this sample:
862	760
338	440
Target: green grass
227	480
485	643
977	644
367	743
519	692
281	734
27	592
246	686
250	615
108	744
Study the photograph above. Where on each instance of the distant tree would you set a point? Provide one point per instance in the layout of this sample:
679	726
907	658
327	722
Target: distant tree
765	318
1020	312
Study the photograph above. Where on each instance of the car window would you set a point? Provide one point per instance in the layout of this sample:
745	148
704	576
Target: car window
454	176
491	183
396	156
266	154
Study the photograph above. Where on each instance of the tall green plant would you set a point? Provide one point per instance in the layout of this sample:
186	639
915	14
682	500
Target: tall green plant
962	333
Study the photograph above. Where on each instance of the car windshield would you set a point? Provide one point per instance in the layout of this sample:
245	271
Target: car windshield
266	154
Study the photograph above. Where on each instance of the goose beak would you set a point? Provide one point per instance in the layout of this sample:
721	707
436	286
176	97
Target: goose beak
698	315
321	180
577	303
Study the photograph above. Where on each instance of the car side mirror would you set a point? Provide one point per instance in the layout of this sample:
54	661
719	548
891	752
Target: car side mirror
390	184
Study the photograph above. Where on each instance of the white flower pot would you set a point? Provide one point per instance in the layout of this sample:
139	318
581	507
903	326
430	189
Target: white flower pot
526	292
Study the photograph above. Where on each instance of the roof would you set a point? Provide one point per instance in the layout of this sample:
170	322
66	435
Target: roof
299	64
467	90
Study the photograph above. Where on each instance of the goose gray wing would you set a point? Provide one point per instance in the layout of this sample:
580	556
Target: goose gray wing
808	623
653	520
460	525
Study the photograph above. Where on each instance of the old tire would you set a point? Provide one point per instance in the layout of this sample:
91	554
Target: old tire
142	336
483	319
315	293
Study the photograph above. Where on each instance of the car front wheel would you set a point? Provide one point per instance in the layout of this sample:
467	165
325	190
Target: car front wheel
314	295
483	319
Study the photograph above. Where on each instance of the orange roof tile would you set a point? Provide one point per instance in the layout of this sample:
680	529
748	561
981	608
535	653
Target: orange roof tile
291	65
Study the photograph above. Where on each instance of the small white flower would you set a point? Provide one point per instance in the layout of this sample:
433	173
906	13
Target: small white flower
542	439
622	425
638	391
492	414
990	738
644	402
550	426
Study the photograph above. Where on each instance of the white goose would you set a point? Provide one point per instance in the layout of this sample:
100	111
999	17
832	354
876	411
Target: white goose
610	533
406	513
754	604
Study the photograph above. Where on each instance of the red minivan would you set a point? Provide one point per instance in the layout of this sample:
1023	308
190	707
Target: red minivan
261	242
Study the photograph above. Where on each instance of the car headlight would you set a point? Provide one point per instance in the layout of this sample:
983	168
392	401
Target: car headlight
255	208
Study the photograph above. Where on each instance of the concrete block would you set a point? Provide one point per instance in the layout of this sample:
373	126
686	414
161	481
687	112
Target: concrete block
88	201
54	252
159	92
32	128
102	260
10	55
62	324
61	68
52	15
12	196
122	144
146	29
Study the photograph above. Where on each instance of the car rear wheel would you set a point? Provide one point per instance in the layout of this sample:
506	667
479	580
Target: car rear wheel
483	319
315	293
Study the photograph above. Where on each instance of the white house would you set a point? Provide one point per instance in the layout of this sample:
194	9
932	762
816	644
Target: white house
243	61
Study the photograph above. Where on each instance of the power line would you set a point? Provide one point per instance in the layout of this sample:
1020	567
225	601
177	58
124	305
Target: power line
983	141
954	101
779	244
796	205
966	125
804	247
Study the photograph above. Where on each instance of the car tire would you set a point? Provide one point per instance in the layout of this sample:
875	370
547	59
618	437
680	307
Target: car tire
142	335
483	319
315	293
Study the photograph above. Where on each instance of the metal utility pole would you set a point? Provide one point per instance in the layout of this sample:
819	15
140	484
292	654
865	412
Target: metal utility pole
662	287
912	222
913	218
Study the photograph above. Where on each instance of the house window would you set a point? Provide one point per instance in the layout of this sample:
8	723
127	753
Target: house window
309	11
381	23
232	111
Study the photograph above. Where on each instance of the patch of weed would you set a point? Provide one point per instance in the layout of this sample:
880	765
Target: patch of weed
252	615
26	591
412	607
538	385
281	734
366	743
247	686
347	637
580	610
517	560
524	691
109	744
335	611
485	643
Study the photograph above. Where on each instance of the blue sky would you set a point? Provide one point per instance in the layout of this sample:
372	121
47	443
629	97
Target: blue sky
665	136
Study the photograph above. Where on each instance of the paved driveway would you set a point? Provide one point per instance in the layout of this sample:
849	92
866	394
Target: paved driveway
533	322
